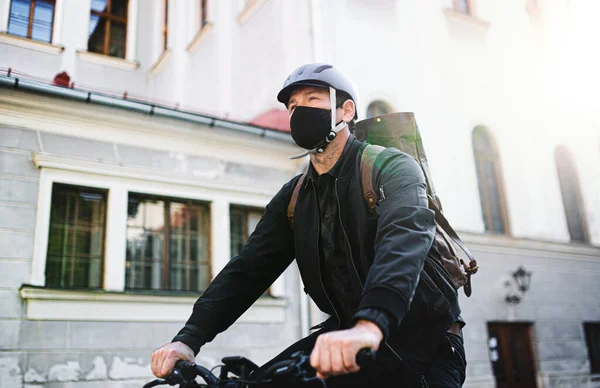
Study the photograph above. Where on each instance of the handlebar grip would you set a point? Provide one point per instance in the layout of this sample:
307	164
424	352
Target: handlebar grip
365	358
181	363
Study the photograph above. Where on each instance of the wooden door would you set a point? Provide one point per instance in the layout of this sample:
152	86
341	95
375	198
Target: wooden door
511	354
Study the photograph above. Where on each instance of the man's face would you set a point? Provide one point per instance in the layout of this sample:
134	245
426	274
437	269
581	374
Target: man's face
314	97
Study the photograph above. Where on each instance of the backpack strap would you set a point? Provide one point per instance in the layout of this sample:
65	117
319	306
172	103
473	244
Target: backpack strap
292	204
367	161
472	267
366	169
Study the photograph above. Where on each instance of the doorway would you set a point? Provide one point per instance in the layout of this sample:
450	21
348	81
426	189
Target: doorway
511	354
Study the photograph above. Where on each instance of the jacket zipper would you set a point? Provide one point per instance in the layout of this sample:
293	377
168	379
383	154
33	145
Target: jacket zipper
352	259
320	274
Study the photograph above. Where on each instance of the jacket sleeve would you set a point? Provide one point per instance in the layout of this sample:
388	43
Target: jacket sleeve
405	233
268	252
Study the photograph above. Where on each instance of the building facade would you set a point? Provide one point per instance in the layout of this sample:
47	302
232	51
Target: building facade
130	174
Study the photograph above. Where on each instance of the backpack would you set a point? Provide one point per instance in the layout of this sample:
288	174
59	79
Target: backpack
400	130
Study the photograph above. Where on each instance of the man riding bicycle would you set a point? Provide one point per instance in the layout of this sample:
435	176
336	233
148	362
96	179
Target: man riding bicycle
361	265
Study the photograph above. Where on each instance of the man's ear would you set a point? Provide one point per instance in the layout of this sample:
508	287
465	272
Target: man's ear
349	110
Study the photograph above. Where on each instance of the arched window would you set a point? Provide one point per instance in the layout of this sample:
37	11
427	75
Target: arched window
378	108
489	176
571	195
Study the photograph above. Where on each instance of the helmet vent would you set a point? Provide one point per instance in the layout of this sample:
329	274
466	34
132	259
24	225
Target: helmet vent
321	68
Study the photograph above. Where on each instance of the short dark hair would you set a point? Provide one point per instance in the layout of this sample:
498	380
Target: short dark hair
340	98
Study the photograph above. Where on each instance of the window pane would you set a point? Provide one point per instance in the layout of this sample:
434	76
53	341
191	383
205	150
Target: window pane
119	8
188	247
238	238
569	186
18	22
203	13
99	5
97	32
43	16
117	40
486	165
185	224
145	243
76	237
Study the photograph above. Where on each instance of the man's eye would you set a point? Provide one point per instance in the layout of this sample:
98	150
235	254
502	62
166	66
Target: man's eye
312	98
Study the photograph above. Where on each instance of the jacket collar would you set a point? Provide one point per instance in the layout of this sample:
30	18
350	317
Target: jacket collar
344	164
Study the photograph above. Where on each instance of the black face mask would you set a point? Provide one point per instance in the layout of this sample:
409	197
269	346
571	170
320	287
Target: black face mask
310	126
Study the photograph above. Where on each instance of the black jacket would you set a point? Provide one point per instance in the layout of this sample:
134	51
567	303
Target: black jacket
388	248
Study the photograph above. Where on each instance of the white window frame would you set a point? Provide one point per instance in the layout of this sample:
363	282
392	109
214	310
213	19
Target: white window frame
54	47
48	304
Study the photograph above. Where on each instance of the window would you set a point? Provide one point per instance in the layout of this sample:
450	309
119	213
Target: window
463	6
167	244
491	191
108	27
572	200
203	13
243	221
32	19
592	337
378	108
166	26
76	238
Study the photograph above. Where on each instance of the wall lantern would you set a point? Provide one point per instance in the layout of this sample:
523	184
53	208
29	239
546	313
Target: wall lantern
522	281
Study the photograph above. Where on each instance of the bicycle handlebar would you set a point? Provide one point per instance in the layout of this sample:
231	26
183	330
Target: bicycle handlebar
297	368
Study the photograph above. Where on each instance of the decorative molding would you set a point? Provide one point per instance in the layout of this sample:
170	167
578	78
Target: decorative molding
249	10
160	61
202	33
43	160
30	44
106	60
48	304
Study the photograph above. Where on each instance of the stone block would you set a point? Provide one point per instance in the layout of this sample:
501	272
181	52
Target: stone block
581	365
547	350
19	272
477	350
43	335
9	334
78	147
558	331
13	163
17	216
199	166
130	365
135	383
11	369
163	332
138	156
23	139
11	306
248	172
249	335
479	369
112	335
16	244
16	190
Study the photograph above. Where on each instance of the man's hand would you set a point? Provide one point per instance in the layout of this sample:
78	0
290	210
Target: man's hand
335	352
164	359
